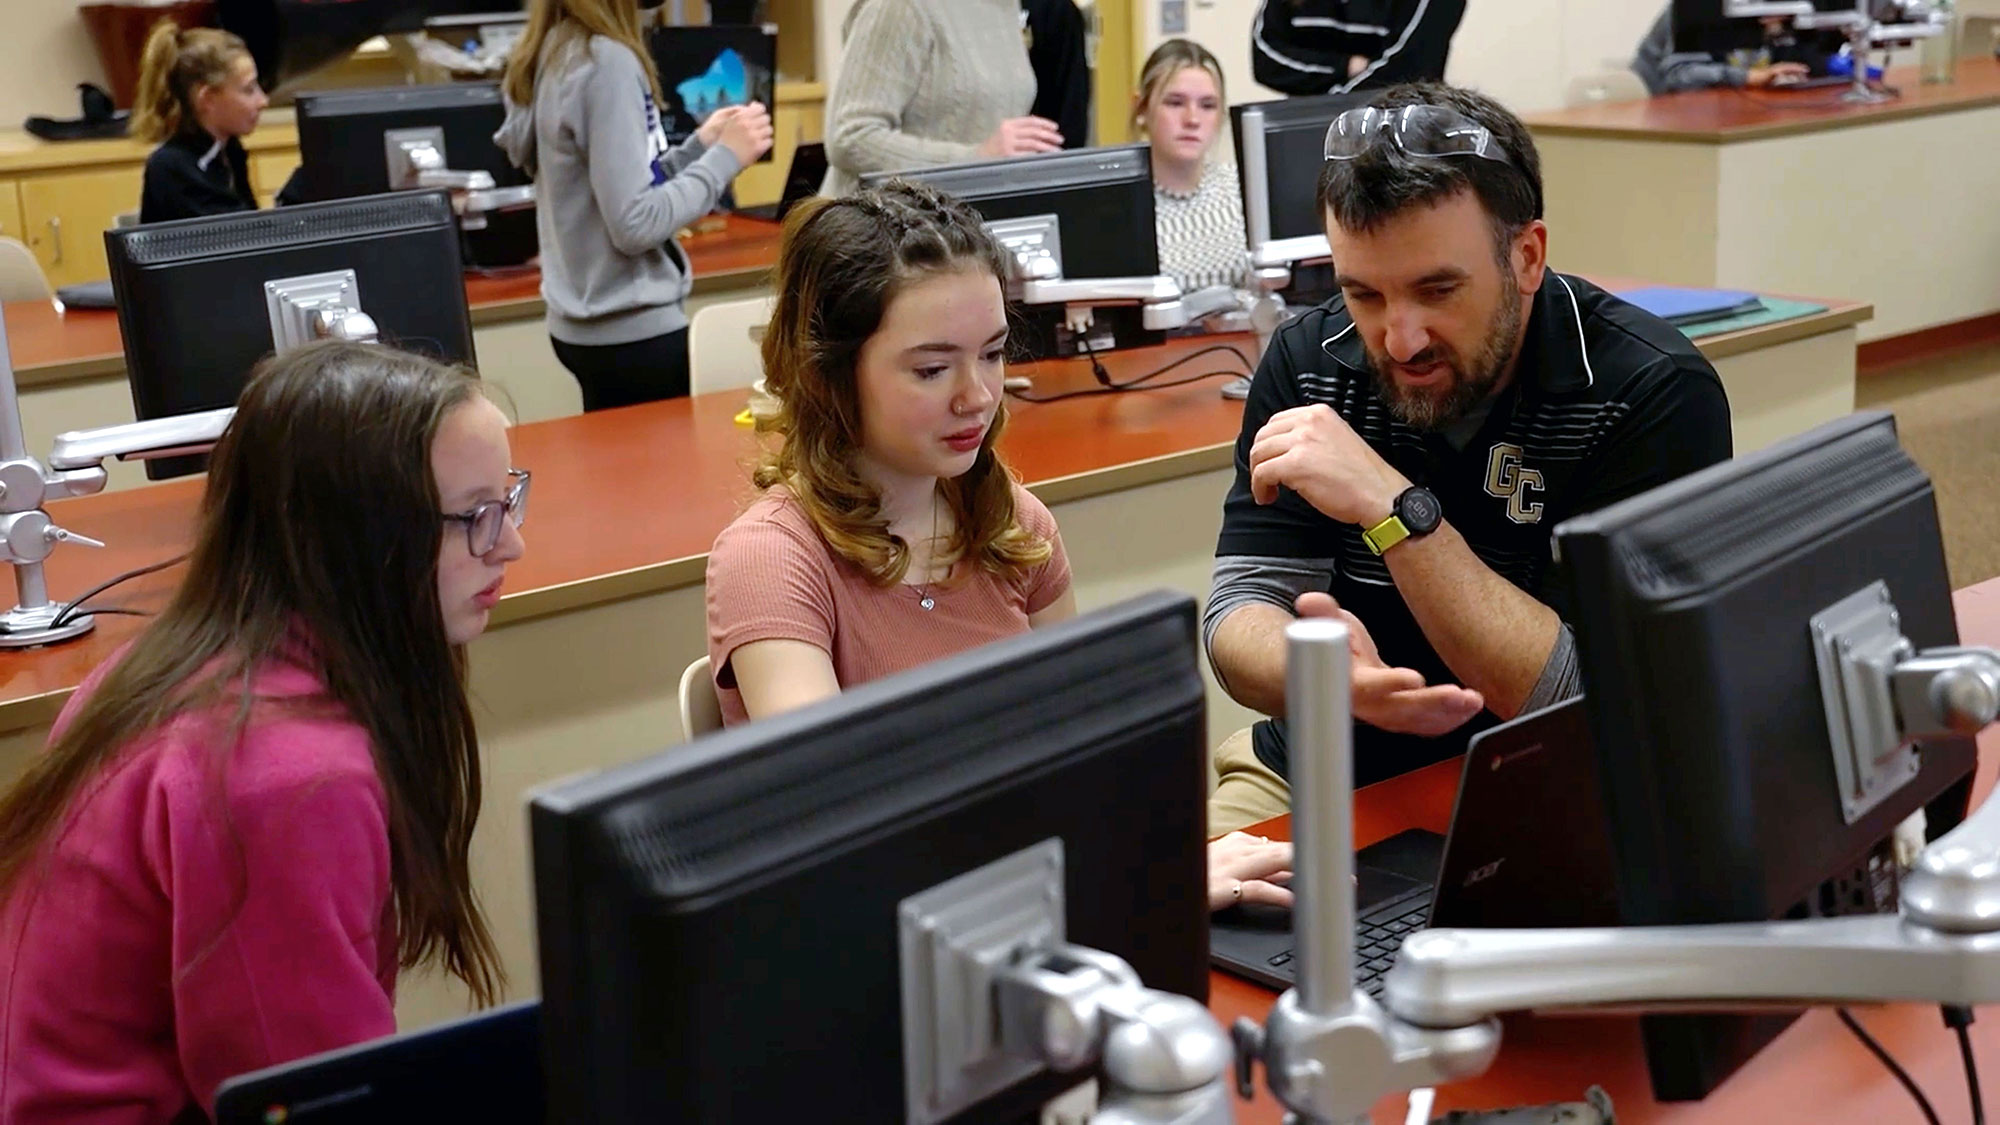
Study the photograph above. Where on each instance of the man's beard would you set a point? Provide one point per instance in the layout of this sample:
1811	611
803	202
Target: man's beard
1425	408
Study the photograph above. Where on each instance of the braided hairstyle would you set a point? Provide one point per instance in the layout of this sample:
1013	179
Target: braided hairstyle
840	263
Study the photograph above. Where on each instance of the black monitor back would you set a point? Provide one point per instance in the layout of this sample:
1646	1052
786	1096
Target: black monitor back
718	925
1294	151
1692	609
1103	202
342	153
1101	197
191	302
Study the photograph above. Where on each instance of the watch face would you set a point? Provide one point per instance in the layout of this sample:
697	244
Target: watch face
1419	511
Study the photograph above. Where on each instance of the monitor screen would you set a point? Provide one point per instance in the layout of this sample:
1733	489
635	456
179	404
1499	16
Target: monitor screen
1693	607
703	69
194	312
718	926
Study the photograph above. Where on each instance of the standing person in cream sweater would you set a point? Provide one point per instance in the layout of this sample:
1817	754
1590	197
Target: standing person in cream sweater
924	82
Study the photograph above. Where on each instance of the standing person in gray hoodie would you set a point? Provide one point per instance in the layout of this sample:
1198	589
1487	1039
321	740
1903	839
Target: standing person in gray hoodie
583	119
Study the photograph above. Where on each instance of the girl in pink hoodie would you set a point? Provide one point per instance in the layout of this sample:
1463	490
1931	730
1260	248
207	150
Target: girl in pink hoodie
253	816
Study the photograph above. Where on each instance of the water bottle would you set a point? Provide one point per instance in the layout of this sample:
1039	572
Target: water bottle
1937	56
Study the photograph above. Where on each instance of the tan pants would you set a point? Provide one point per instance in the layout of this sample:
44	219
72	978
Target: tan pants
1246	790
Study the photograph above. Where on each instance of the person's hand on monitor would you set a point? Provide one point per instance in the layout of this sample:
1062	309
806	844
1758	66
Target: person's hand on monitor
746	132
1245	868
1394	699
1777	74
1020	136
1315	453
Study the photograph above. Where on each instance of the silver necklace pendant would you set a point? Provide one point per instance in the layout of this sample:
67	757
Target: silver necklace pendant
928	602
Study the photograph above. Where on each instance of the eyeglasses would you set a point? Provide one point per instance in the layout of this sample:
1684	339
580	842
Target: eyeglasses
484	522
1420	130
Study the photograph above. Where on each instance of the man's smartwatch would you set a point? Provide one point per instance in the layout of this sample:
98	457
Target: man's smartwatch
1416	513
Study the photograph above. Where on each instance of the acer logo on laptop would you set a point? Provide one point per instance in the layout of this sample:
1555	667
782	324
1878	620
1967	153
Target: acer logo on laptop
1484	872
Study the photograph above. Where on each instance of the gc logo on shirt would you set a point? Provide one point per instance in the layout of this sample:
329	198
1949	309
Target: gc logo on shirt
1507	479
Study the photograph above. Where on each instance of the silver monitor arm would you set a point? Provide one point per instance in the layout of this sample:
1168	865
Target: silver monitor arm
416	159
1330	1051
1908	19
28	535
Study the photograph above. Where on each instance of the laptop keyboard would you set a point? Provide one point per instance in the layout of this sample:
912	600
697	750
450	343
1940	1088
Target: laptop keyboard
1377	937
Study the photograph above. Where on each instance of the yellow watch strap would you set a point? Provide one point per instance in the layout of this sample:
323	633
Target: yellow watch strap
1386	534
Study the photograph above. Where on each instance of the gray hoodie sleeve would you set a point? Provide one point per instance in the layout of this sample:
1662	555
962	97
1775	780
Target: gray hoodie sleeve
639	213
1665	72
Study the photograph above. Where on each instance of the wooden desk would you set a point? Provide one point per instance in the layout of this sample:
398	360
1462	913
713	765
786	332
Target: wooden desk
599	618
1789	192
1816	1071
70	365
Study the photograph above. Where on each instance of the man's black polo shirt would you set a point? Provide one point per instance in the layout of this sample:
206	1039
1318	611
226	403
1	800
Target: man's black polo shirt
1607	402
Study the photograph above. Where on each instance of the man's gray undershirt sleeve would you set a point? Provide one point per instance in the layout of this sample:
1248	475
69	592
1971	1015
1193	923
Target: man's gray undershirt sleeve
1561	677
1239	580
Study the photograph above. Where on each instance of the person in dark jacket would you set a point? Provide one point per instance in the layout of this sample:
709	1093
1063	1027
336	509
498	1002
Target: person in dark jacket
198	97
1337	46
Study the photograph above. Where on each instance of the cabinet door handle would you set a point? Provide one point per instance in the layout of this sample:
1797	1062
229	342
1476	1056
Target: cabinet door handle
55	233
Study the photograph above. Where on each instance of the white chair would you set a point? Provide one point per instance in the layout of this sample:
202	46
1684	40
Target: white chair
701	711
21	276
723	340
1605	86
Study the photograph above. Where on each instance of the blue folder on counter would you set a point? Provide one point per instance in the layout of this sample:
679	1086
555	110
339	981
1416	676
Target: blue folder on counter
1682	307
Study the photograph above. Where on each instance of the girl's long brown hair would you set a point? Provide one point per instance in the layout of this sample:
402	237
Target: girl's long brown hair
318	544
617	20
840	263
175	63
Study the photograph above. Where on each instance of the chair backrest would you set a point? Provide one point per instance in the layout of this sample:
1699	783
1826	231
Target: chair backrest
723	341
1605	86
701	711
21	276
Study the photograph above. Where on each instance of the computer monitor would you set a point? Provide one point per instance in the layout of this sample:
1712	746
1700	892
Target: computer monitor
351	143
1694	609
200	301
1102	203
703	69
1717	27
1280	148
719	926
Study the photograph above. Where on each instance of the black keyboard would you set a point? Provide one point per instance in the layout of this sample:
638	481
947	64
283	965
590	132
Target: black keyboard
1377	936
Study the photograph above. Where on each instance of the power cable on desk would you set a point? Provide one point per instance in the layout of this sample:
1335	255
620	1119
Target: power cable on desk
77	607
1144	382
1959	1019
1882	1055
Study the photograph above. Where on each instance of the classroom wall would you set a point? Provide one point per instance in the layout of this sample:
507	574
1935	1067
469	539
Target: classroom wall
44	53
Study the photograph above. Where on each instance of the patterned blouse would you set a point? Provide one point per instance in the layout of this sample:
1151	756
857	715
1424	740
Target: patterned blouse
1201	235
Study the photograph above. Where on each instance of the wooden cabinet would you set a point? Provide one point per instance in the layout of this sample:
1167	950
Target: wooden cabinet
65	216
10	210
268	172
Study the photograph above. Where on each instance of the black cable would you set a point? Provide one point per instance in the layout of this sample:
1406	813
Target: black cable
1959	1019
1882	1055
69	612
1144	382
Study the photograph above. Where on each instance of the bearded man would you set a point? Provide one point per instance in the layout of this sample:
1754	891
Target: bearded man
1409	445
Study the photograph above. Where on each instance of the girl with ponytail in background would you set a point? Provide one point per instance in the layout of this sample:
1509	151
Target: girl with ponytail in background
198	97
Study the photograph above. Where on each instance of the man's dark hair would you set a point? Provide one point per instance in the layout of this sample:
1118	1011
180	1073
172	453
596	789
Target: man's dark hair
1363	193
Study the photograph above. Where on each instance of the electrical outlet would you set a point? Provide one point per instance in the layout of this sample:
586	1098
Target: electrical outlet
1173	17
